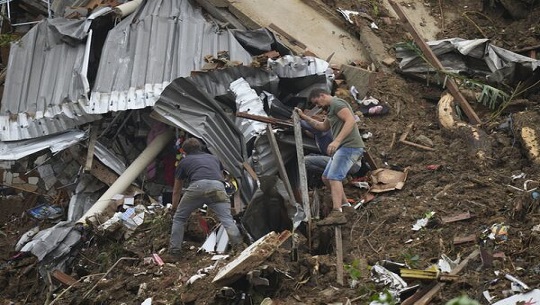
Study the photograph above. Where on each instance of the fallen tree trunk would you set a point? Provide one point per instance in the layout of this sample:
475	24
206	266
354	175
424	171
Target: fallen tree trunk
476	138
528	134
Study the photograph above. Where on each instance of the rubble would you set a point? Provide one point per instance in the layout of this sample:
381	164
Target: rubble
87	160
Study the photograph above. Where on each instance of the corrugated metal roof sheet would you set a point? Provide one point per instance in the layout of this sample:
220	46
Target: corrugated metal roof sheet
44	83
164	40
20	149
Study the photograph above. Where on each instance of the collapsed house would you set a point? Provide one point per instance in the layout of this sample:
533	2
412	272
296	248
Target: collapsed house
93	133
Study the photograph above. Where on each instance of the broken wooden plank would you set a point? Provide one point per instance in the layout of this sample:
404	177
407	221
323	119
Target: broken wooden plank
264	119
250	171
417	145
426	50
458	217
369	160
403	137
287	36
458	240
281	166
251	257
302	171
219	12
91	146
418	294
65	278
426	299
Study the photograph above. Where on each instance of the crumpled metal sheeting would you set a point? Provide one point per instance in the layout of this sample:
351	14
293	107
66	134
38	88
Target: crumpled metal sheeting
483	58
248	101
185	104
20	149
44	84
290	66
216	82
48	240
162	41
109	158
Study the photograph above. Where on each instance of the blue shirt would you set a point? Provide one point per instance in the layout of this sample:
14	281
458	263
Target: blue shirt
322	138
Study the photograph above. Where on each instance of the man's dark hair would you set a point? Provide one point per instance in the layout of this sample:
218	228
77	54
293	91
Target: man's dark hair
315	93
191	145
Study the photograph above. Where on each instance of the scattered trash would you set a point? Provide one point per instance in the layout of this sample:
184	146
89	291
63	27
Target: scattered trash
384	180
446	264
201	273
26	238
421	223
148	301
498	233
347	14
521	287
373	25
157	259
528	298
433	167
518	176
487	296
536	228
45	211
389	279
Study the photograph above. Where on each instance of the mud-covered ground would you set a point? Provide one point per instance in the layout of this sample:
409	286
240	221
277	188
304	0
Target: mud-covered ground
449	180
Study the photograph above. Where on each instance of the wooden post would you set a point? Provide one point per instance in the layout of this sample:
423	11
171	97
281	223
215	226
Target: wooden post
302	171
282	172
281	166
339	255
450	83
91	146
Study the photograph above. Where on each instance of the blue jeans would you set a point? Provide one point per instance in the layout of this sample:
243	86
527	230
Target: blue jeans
211	193
317	163
341	162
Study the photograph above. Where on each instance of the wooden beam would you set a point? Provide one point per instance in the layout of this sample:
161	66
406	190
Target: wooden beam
339	255
287	36
450	83
264	119
281	166
302	172
91	146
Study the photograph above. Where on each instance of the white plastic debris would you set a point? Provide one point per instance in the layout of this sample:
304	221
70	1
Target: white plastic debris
147	302
373	25
445	264
347	14
420	223
26	238
531	297
488	297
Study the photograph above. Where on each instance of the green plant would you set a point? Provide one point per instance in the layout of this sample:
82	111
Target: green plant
494	98
354	269
462	300
7	38
383	298
411	259
375	7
